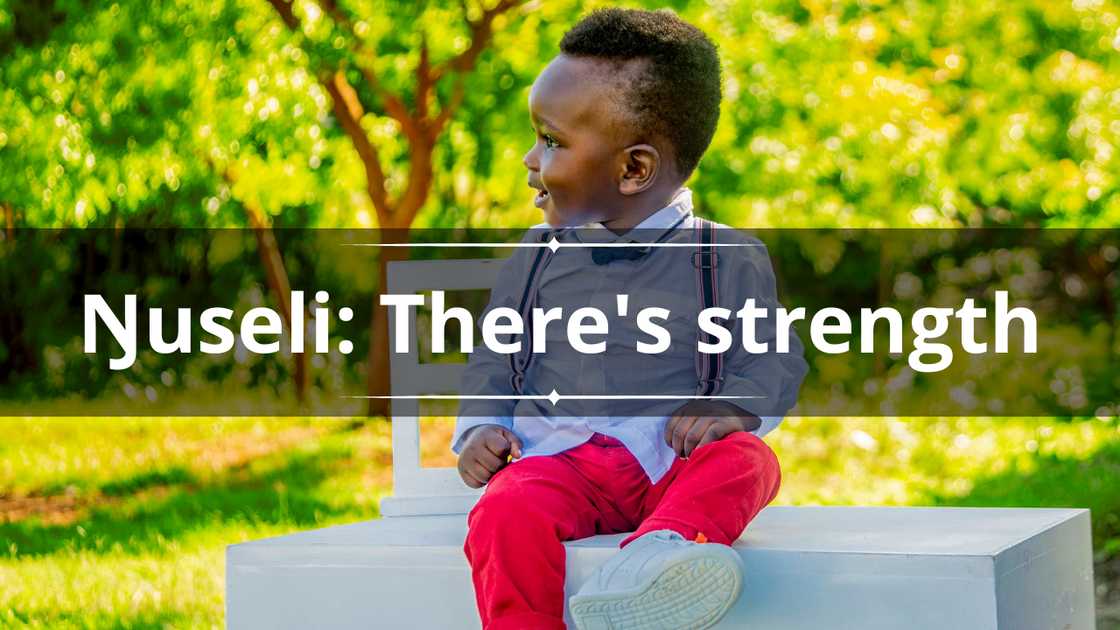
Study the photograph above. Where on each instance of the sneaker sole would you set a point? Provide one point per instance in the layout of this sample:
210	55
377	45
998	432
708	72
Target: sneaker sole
694	593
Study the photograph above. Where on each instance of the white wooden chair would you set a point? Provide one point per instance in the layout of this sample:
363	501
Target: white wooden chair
417	490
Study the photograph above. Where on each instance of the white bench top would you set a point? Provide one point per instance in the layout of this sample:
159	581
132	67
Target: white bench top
835	567
811	529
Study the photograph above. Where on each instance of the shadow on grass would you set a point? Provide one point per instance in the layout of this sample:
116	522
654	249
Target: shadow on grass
62	620
118	487
162	506
1051	481
175	475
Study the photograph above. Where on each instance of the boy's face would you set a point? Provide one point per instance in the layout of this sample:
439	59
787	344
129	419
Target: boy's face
582	132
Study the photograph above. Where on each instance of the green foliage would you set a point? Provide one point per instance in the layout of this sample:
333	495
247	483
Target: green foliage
886	114
847	114
916	114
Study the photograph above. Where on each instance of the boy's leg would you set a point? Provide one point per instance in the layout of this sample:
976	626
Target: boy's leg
515	533
715	493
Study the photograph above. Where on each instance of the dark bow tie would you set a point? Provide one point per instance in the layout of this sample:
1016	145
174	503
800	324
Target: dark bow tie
607	255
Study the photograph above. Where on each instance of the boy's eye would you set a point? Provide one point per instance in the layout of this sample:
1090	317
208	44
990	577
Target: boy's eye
549	141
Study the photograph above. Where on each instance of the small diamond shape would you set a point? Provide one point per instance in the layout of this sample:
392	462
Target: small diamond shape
554	244
554	397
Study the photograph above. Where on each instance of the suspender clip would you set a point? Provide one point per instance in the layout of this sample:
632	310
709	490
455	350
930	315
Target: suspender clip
705	259
709	386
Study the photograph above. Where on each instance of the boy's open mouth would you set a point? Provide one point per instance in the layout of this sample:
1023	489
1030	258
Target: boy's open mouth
542	194
541	198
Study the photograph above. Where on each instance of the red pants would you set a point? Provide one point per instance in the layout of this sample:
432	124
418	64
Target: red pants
531	506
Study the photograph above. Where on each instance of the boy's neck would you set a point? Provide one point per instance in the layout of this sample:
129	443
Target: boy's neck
642	209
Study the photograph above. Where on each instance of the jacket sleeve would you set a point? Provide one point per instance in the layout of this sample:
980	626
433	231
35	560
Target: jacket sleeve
773	378
488	373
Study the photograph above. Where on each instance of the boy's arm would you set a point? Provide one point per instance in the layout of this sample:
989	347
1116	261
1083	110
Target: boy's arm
488	373
775	377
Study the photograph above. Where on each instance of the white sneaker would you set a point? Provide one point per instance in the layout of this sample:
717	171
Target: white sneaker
660	581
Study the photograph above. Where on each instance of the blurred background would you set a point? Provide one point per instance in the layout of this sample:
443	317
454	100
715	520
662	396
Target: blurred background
270	115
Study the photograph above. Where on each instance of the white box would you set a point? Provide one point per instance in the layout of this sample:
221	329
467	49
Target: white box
863	568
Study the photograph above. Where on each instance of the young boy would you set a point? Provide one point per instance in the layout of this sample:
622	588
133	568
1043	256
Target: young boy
622	117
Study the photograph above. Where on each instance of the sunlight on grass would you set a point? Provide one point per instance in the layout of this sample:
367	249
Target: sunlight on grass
889	461
149	505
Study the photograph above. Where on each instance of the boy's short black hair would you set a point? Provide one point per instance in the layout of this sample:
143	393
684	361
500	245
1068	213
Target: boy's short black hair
678	95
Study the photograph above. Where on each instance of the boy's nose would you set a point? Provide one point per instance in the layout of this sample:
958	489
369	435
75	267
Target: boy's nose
530	159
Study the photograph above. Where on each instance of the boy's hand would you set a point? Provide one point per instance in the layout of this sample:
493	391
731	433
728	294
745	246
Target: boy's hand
702	421
486	451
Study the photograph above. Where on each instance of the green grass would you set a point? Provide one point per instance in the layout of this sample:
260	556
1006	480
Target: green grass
122	523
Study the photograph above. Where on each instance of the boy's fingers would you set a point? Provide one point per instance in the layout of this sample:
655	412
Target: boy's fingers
497	443
671	426
479	472
714	433
490	462
680	432
695	434
514	443
469	478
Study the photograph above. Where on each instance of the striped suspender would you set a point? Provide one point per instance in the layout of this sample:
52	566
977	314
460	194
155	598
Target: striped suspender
519	361
709	367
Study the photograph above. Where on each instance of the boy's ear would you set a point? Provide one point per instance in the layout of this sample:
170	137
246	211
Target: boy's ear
641	162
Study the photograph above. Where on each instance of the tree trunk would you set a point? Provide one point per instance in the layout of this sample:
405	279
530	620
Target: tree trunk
421	129
377	381
277	277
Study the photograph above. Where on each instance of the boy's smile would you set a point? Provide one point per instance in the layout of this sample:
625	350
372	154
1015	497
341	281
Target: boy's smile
582	132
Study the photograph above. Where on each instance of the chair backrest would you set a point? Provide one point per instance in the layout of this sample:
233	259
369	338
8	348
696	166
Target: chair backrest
418	490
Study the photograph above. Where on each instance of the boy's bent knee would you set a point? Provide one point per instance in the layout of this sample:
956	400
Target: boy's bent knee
744	445
749	455
520	509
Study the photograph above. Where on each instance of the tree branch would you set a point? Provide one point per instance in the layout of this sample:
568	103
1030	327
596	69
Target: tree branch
458	91
419	127
424	80
338	15
482	30
287	15
394	106
349	112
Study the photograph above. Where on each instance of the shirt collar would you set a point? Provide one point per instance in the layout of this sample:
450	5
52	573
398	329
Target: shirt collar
649	230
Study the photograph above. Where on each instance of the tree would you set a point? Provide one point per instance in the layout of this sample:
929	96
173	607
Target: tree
421	112
118	119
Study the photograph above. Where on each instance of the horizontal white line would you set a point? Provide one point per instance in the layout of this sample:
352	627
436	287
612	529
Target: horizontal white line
554	398
550	245
546	397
